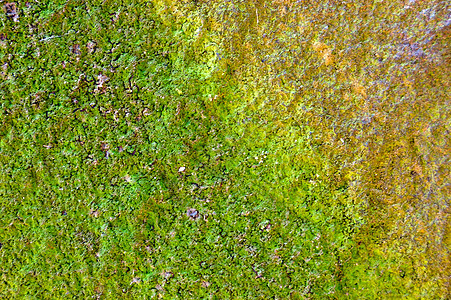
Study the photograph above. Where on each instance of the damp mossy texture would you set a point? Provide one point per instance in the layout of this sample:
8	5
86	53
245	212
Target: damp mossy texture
233	149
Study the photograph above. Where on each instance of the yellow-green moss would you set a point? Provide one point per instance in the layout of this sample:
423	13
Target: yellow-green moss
307	141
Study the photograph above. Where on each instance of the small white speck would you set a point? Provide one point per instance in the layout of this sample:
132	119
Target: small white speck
182	169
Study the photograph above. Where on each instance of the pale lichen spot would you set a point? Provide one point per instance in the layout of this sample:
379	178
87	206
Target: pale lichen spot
324	52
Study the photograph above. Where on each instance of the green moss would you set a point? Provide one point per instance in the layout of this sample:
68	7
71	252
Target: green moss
194	149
